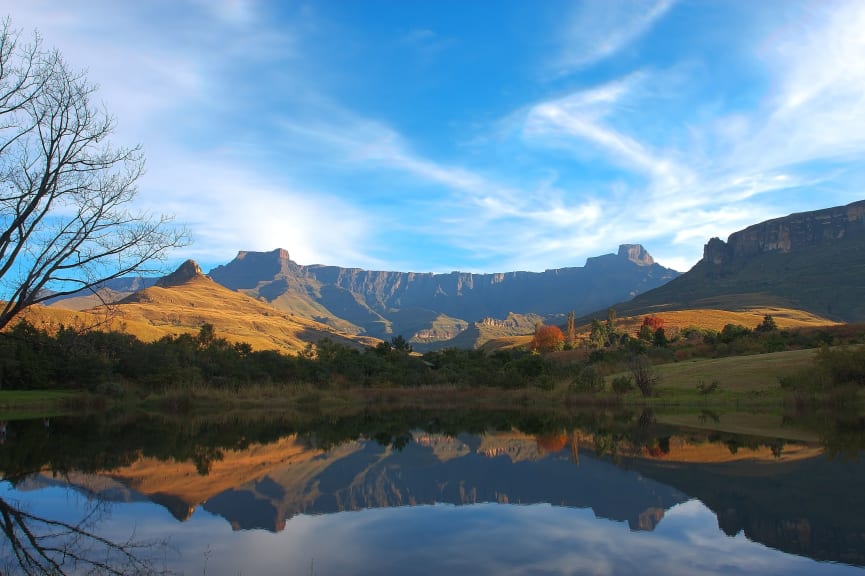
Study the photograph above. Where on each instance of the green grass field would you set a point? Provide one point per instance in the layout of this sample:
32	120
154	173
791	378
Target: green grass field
742	374
738	382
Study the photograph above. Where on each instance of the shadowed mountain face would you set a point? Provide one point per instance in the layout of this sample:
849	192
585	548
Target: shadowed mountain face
813	261
426	306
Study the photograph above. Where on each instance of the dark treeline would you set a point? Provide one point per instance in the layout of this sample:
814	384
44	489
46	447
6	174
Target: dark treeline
113	363
106	362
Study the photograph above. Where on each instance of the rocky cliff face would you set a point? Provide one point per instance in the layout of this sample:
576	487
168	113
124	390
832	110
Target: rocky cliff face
636	254
790	233
384	303
812	261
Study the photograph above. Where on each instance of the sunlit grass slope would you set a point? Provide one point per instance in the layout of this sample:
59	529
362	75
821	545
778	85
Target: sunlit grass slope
183	308
704	318
716	319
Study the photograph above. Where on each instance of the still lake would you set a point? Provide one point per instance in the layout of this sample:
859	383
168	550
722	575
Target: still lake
419	492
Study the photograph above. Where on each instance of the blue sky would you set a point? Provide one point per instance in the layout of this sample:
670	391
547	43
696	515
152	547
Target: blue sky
479	136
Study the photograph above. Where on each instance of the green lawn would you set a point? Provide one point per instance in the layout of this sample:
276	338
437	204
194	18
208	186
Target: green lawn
756	373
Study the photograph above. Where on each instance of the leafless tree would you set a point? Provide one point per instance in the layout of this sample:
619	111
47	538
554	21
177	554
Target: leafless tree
645	376
66	220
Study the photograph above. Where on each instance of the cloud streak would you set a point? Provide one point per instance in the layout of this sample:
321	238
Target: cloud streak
598	30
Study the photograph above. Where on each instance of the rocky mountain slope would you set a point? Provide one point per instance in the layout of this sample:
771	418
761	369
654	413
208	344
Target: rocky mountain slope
812	261
184	300
106	293
427	308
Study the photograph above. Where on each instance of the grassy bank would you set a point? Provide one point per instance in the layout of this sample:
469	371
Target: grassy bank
749	383
737	382
737	374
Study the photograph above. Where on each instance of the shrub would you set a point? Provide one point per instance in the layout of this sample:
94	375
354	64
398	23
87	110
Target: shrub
713	387
587	379
645	376
622	384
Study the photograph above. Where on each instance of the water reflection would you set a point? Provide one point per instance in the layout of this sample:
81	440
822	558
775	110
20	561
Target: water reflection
39	541
374	493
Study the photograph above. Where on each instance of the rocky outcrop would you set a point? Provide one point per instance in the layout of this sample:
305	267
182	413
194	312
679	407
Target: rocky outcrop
184	273
636	254
790	233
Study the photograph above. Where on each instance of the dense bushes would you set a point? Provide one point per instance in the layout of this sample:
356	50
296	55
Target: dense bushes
30	358
105	362
835	369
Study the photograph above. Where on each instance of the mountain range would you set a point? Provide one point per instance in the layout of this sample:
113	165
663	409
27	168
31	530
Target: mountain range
808	265
427	309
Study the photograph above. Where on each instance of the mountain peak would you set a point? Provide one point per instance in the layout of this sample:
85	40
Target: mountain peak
184	273
636	254
250	268
281	254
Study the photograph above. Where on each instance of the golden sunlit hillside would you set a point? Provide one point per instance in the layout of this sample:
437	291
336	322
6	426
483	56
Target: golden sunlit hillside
704	318
715	319
183	305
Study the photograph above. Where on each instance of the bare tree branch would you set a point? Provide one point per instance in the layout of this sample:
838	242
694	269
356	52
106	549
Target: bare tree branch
41	545
66	221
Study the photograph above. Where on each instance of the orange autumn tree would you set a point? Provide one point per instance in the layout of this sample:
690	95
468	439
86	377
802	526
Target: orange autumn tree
650	325
548	339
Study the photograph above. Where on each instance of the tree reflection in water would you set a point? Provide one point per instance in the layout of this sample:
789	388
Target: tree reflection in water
35	544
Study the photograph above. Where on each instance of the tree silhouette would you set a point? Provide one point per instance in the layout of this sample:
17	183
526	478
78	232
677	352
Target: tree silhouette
38	545
65	191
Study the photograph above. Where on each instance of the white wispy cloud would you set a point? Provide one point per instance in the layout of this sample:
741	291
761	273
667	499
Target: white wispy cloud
582	115
165	89
598	29
230	208
813	111
477	213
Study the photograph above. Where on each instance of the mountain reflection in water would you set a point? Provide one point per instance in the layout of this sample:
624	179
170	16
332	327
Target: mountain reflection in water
282	480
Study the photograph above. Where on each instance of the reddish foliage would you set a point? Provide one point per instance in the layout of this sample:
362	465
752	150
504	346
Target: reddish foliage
552	443
653	322
548	338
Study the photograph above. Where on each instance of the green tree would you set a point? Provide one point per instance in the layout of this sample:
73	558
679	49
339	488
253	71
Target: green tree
400	344
660	338
598	335
767	325
611	321
571	331
206	335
